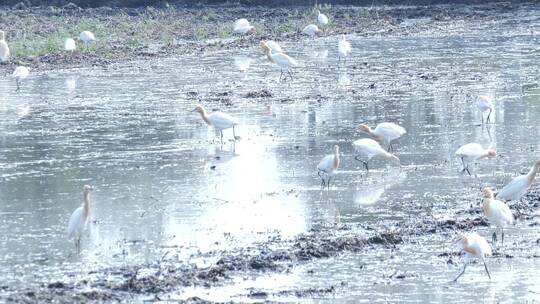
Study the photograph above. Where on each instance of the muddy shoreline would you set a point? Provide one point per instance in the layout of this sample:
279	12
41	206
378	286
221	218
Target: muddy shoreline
36	34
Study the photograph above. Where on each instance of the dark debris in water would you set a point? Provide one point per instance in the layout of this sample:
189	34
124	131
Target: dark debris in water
259	94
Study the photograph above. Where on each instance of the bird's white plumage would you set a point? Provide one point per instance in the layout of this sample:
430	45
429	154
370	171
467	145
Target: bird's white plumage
344	47
327	164
283	60
484	103
369	148
242	26
87	36
311	30
21	72
477	246
4	49
323	20
389	131
70	45
222	121
274	46
76	223
499	213
515	189
471	152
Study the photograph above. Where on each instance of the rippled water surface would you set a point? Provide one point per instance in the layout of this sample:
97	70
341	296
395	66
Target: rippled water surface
164	182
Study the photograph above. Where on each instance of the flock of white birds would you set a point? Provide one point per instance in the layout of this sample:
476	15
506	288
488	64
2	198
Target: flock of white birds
474	245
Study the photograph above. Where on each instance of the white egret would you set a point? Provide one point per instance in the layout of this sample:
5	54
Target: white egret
484	104
79	218
282	60
4	49
344	48
274	46
367	148
87	37
385	132
311	30
70	44
242	26
19	74
519	186
323	20
497	212
474	246
472	152
327	166
218	120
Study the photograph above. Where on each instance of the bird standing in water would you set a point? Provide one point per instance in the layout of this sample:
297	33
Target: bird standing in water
518	187
327	166
344	48
484	104
79	218
218	120
474	246
282	60
497	213
367	148
472	152
4	49
19	74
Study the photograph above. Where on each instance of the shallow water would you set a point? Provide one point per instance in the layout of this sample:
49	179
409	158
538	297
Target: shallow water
165	184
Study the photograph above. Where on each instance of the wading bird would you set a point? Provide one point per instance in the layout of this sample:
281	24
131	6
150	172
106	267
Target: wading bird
385	132
4	49
79	218
19	74
484	104
274	46
519	186
344	48
218	120
472	152
367	148
323	20
70	44
242	26
87	37
497	213
282	60
328	165
311	30
474	246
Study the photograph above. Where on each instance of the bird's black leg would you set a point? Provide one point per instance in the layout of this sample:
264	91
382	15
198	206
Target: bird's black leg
281	75
221	136
489	114
502	236
366	166
462	272
234	133
494	237
487	271
18	86
467	169
322	178
482	117
290	74
328	182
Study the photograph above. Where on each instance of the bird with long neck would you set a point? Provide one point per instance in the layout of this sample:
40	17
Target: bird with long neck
472	152
281	59
327	166
384	132
519	186
86	206
4	49
474	246
218	120
79	218
497	212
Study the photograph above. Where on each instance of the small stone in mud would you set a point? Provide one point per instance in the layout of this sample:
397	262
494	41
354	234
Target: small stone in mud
56	285
258	294
259	94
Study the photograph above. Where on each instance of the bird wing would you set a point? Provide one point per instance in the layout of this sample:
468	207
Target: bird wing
470	149
222	120
274	46
284	60
322	19
69	44
514	189
479	244
368	146
326	163
390	130
241	23
76	222
310	29
501	211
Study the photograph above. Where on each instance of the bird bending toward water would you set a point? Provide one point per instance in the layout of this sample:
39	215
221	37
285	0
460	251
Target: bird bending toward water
311	30
519	186
19	74
385	132
344	48
282	60
242	26
79	218
497	213
218	120
4	49
323	20
474	246
472	152
328	165
484	104
367	148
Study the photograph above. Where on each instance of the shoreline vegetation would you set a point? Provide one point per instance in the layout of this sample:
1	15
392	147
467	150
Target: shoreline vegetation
36	35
